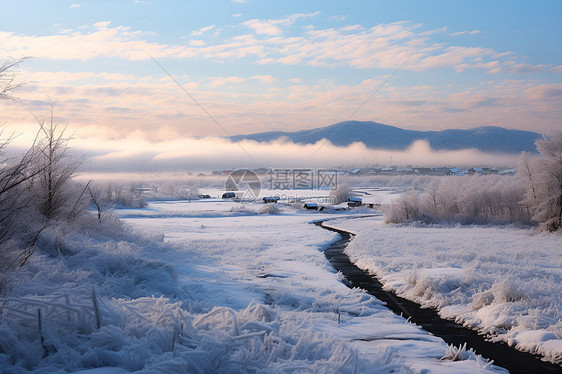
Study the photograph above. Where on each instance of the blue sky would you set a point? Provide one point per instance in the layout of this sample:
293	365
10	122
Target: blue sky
283	65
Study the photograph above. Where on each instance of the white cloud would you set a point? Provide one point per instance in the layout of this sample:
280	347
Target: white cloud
473	32
434	31
104	41
202	30
384	46
74	5
352	28
265	78
527	68
274	26
118	105
220	81
339	18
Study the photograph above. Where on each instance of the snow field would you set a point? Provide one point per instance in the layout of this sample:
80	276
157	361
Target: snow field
504	281
189	290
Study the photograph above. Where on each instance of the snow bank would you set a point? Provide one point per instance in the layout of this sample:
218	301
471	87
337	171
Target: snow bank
504	281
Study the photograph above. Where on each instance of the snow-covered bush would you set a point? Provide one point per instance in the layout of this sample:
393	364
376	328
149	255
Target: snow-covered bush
177	189
269	209
114	194
340	194
404	209
468	199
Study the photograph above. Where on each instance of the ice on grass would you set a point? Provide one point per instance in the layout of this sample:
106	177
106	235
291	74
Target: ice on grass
503	280
204	286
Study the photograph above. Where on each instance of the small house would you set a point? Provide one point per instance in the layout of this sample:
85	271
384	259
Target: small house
271	199
458	172
354	201
313	206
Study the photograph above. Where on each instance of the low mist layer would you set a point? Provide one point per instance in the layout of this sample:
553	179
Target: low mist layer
204	154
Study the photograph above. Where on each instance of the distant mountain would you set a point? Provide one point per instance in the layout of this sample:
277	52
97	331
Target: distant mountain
378	136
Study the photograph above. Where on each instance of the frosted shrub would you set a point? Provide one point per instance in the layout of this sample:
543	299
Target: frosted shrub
469	199
404	209
118	195
269	209
340	194
177	190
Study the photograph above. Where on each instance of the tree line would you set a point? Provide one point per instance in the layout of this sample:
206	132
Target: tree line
534	196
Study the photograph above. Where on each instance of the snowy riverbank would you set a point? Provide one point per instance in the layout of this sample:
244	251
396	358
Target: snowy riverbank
506	281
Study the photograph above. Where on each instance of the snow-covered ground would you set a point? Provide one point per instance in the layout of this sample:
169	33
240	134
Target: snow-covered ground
506	281
206	286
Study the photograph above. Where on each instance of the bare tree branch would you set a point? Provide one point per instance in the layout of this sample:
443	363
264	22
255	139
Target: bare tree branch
8	83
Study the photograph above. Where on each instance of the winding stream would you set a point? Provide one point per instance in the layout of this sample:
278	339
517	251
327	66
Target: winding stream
503	355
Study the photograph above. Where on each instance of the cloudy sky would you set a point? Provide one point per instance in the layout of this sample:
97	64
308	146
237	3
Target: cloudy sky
113	69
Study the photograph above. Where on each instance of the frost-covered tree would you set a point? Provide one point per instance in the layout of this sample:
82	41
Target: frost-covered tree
8	82
55	169
525	174
544	182
15	176
340	194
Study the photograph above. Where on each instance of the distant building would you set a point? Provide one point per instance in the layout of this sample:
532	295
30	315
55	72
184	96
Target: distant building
354	201
270	199
387	170
482	171
313	206
458	172
508	172
473	171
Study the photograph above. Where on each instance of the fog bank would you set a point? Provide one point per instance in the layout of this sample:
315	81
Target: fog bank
205	154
